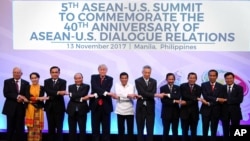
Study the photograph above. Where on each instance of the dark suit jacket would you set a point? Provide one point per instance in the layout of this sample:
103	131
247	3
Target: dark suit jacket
96	87
192	107
55	102
75	96
231	109
37	104
210	96
10	93
170	109
147	92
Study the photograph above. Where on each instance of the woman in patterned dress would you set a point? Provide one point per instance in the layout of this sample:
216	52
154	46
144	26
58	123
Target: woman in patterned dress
34	117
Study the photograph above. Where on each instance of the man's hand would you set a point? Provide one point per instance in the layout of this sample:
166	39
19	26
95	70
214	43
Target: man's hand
91	96
199	99
19	100
43	98
22	98
132	96
168	95
203	101
177	101
113	95
62	93
87	97
221	100
161	95
183	102
138	96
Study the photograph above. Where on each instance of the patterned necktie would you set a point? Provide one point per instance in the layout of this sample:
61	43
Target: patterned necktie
191	88
102	79
17	86
170	88
54	83
212	86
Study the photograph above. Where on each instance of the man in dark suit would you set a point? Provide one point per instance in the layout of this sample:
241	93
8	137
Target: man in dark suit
145	106
189	112
170	112
210	108
55	108
231	99
101	106
14	106
78	108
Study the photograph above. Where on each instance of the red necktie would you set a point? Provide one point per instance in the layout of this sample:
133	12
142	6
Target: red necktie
191	88
212	85
102	78
100	102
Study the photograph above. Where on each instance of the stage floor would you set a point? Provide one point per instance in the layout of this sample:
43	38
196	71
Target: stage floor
113	137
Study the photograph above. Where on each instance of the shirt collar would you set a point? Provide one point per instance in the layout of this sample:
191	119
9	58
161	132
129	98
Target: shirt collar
212	83
54	79
125	85
231	86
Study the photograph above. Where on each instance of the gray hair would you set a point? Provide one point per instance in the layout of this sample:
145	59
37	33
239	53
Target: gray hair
146	67
102	66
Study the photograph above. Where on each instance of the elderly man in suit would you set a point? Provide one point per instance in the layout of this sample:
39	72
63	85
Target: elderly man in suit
14	105
78	108
145	106
101	106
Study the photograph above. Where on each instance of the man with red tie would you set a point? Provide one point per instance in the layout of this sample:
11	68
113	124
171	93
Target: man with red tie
189	112
14	107
101	106
210	108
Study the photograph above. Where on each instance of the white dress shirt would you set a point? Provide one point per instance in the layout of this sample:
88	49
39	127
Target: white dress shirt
124	105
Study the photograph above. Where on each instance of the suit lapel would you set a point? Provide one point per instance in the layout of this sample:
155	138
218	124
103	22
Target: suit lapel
14	84
80	88
145	83
22	84
233	88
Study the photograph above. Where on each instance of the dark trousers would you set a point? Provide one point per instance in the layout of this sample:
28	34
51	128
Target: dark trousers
15	125
55	125
129	119
145	116
212	122
100	117
185	125
73	121
226	128
166	126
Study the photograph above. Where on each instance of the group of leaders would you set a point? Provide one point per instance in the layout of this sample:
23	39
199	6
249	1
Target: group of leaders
25	105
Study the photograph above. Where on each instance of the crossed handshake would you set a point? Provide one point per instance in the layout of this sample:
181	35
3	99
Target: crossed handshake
130	96
22	99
